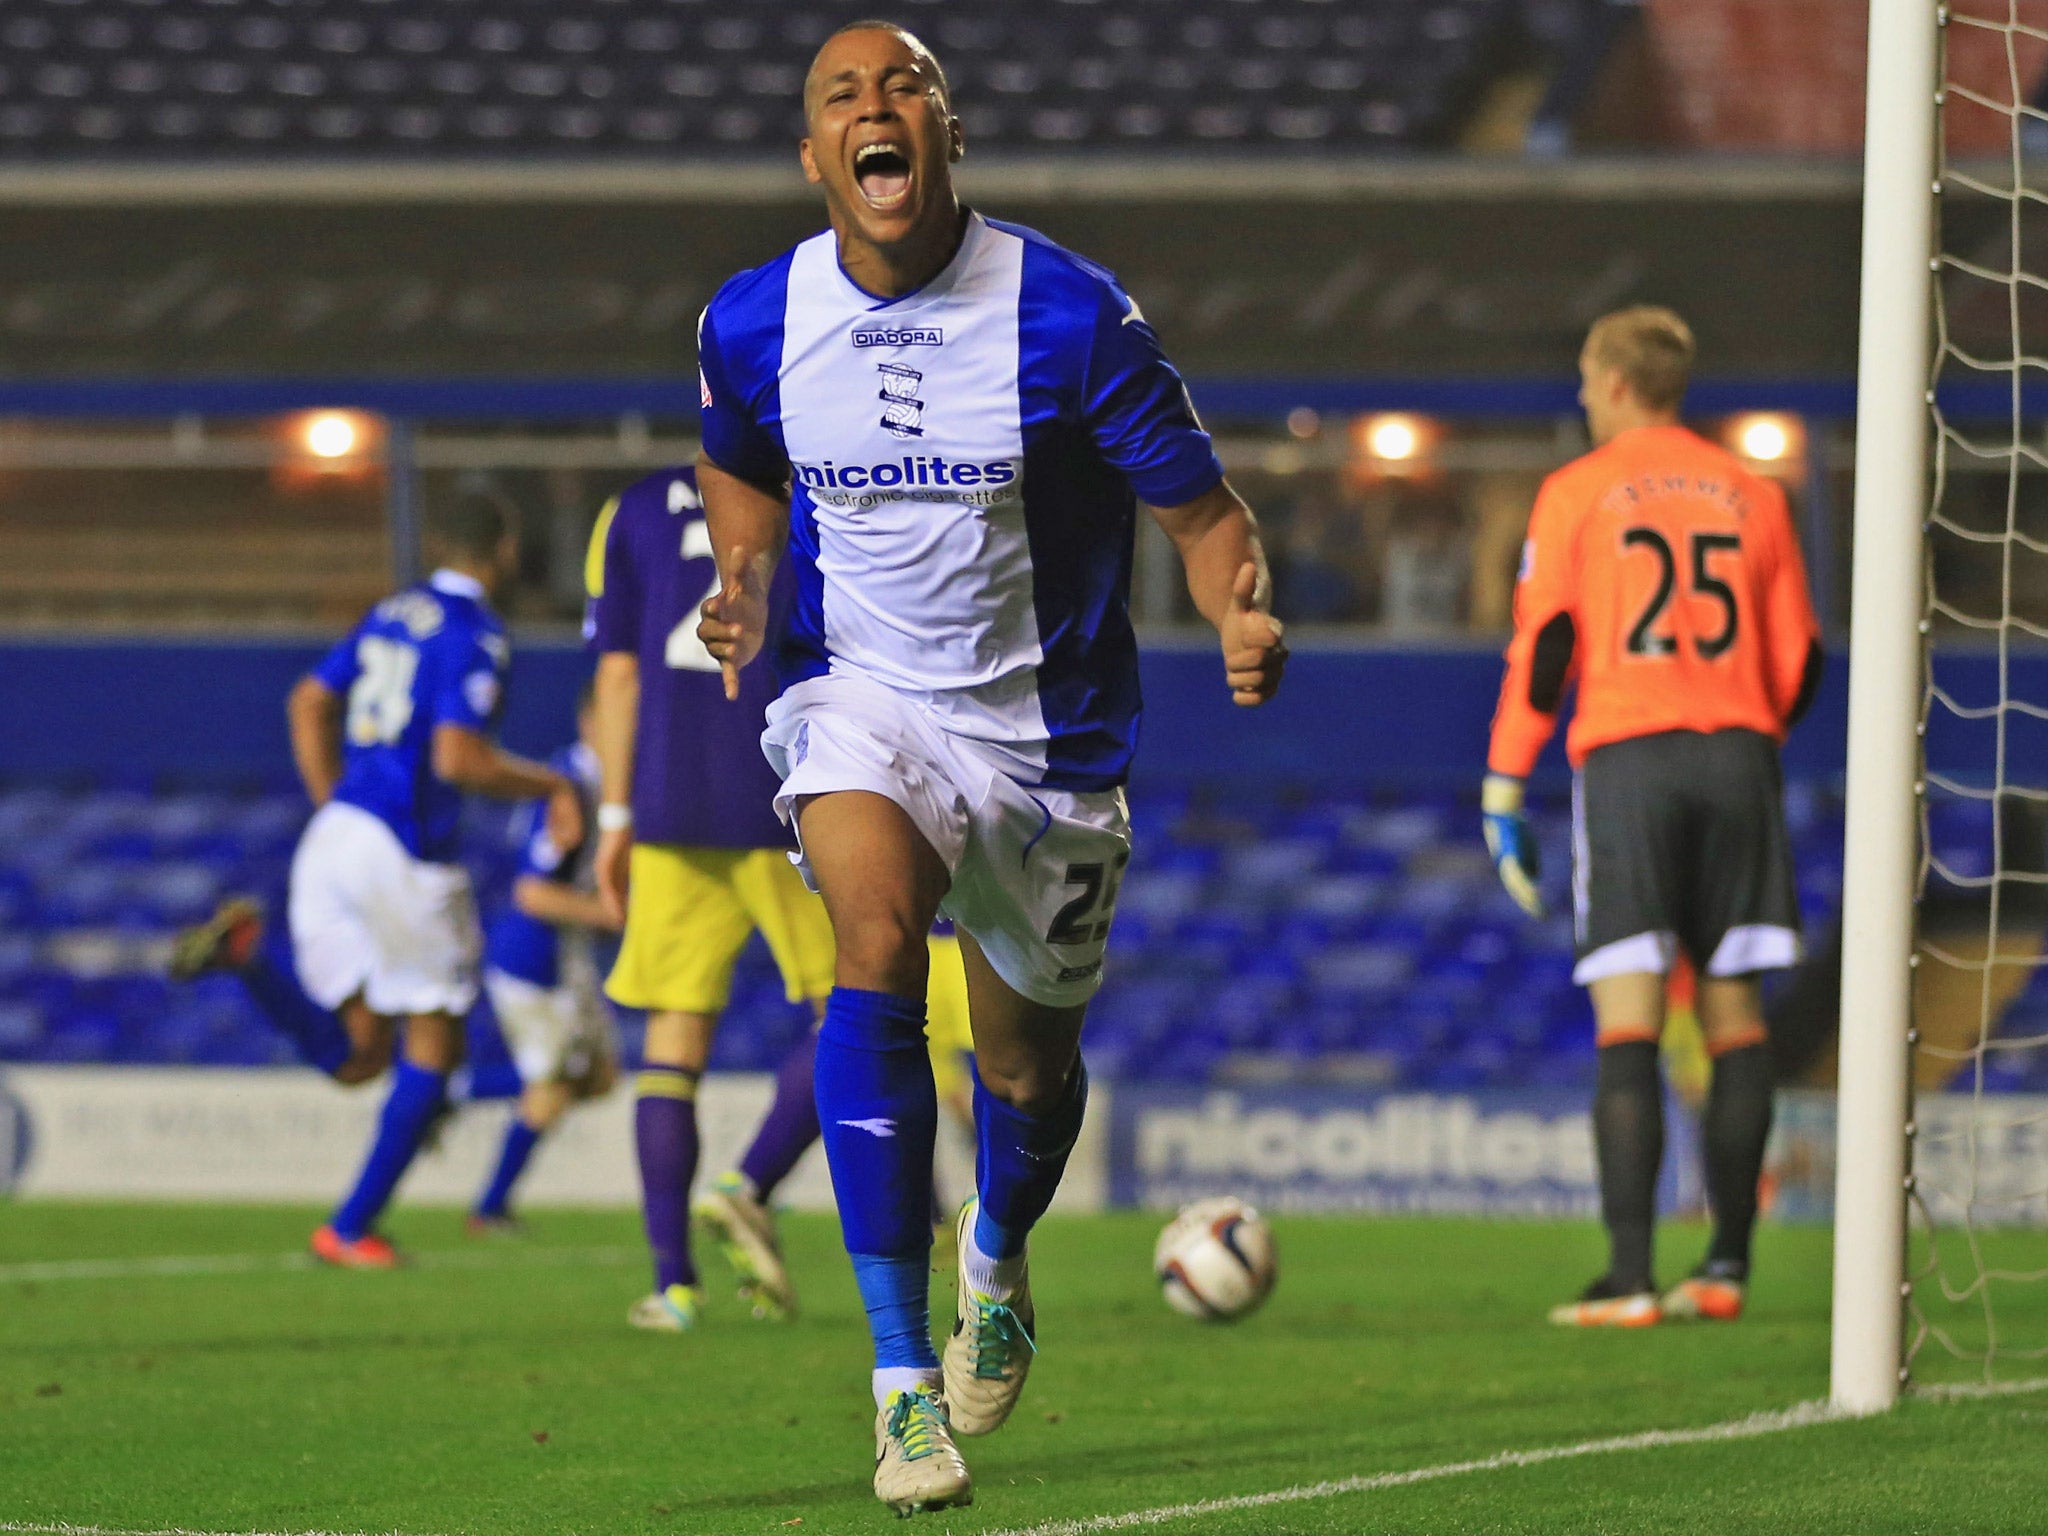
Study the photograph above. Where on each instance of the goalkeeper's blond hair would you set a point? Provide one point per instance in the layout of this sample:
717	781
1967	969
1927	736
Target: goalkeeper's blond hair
1649	346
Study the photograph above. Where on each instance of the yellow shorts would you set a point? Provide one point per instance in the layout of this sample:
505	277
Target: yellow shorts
946	1032
689	913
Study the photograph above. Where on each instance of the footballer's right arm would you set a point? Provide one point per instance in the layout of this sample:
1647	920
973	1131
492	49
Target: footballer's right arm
1542	656
1541	660
742	475
749	526
615	728
313	716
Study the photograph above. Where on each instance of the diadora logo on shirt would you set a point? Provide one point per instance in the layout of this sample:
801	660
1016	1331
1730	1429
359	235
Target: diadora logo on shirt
900	336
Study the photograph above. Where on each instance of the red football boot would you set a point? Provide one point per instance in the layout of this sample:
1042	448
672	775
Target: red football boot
366	1252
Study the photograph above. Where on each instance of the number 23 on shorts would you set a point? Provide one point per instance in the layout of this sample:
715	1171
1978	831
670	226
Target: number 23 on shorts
1086	919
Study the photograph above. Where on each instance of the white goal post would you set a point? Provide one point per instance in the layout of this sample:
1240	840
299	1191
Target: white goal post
1881	816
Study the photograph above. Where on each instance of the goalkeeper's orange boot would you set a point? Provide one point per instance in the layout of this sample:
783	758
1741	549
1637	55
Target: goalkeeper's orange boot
1712	1293
1605	1305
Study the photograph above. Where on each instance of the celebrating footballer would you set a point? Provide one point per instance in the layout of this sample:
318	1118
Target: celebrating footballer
945	424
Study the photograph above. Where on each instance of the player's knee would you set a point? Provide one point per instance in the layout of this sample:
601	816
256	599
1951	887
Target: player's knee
1731	1015
542	1104
1627	1032
434	1042
1031	1087
1736	1035
882	950
366	1063
678	1039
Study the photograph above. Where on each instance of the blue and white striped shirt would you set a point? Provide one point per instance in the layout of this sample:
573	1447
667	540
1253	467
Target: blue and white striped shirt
965	463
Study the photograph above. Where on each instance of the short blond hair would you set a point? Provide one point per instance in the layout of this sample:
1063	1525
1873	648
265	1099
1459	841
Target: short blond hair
1649	346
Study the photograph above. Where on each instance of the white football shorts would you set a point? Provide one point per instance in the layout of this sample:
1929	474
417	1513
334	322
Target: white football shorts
1035	870
554	1034
366	916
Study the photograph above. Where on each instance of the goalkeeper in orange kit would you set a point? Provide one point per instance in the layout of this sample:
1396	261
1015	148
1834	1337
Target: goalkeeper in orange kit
1663	580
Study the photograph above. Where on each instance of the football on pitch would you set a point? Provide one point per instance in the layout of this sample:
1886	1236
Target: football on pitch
1215	1260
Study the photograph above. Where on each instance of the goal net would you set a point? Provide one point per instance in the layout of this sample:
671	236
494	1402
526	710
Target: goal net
1976	1277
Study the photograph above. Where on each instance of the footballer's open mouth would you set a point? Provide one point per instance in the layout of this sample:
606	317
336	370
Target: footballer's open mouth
882	172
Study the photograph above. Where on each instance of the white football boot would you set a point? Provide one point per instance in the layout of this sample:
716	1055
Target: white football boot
917	1466
990	1351
671	1311
745	1229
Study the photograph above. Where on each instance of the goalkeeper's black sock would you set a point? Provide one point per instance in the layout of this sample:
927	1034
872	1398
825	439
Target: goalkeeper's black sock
1628	1130
1736	1126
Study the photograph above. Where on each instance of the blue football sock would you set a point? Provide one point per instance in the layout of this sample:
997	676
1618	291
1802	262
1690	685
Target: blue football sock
896	1293
493	1080
417	1097
520	1140
880	1118
1019	1161
272	983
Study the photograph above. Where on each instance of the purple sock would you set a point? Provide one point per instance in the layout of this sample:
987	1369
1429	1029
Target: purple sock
791	1124
665	1133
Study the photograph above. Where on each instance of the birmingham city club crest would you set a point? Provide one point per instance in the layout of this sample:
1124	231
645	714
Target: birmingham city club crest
902	411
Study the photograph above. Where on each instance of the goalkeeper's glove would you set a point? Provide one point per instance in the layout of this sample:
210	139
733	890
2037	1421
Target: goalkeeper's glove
1509	842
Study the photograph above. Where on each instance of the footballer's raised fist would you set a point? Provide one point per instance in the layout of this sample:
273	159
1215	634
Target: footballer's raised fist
732	622
1254	650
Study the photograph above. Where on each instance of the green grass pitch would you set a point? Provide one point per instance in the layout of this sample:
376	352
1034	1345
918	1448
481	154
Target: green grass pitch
499	1391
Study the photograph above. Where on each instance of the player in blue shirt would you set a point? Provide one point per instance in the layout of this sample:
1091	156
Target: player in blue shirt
546	1038
947	424
693	859
389	732
540	973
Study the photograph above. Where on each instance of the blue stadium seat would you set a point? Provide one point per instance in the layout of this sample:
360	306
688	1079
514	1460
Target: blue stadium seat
17	899
1159	895
1321	929
1961	838
21	1028
1361	970
436	76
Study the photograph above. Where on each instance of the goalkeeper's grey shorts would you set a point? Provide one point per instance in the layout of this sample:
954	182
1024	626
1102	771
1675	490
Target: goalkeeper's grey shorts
1679	844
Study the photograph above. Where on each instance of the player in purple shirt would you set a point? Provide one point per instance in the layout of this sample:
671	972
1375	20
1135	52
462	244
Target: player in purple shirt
693	859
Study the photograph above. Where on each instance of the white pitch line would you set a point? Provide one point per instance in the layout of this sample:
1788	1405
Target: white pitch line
1948	1391
1801	1416
65	1528
279	1263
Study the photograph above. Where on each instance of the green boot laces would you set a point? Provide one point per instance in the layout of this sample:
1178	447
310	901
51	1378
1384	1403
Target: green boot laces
914	1422
998	1335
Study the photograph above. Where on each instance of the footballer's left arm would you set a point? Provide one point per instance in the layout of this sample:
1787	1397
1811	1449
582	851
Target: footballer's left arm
472	762
1218	540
